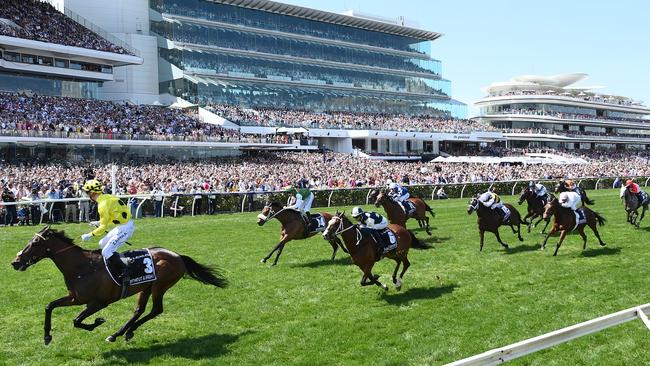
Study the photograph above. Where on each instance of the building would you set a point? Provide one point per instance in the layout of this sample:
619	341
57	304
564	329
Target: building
550	111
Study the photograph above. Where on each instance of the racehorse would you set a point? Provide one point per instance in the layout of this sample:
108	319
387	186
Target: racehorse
564	220
90	284
535	207
632	205
363	251
561	187
396	214
490	220
293	228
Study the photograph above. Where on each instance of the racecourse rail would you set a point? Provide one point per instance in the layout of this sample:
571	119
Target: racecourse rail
219	202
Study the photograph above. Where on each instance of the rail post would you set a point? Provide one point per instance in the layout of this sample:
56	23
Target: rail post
162	207
597	181
433	193
368	196
243	202
513	189
329	199
137	210
463	190
646	182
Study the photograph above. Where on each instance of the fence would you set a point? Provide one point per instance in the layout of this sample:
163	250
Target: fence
219	202
519	349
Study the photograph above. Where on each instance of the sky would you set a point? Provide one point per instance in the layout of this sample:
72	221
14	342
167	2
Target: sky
488	41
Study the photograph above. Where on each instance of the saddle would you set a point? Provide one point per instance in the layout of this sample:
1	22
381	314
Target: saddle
139	265
385	240
581	217
408	207
317	223
504	212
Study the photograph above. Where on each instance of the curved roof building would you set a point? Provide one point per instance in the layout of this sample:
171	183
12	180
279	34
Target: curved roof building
551	111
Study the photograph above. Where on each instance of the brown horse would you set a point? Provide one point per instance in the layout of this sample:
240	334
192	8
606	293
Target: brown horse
90	284
535	208
396	214
293	228
564	221
490	220
632	204
363	251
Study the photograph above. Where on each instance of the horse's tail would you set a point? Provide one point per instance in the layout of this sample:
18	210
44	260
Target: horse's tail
601	220
429	209
416	243
204	274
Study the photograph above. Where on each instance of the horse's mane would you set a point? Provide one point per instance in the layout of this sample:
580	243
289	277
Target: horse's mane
61	235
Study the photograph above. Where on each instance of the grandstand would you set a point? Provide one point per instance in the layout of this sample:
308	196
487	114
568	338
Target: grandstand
550	111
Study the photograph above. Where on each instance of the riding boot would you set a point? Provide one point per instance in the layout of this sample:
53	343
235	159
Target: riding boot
581	215
123	277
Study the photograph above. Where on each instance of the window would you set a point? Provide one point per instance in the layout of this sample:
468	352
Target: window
74	65
45	61
29	59
106	69
61	63
12	56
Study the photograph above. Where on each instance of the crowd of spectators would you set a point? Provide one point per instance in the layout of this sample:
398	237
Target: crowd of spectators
40	21
37	115
588	97
565	115
344	120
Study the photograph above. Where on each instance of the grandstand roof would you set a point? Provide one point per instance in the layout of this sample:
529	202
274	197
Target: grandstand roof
333	18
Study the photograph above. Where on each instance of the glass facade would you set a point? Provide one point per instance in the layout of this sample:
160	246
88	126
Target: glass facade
251	68
14	82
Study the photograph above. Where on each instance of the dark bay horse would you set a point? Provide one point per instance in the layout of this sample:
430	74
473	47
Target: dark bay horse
293	228
535	208
632	205
561	187
490	220
363	250
396	214
90	284
564	221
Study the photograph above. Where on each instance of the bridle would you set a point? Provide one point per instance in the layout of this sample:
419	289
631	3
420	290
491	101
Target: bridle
48	250
475	205
340	230
272	213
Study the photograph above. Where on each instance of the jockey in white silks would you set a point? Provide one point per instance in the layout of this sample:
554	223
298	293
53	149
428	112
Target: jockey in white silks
539	189
571	200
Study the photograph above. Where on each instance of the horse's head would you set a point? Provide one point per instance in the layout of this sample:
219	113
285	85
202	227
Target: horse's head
473	205
334	226
550	207
35	250
560	187
525	193
269	210
381	195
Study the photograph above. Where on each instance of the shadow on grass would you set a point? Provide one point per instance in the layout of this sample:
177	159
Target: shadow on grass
343	260
522	249
203	347
601	251
419	293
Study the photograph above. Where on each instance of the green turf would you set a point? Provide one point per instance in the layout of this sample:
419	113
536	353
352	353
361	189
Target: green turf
455	301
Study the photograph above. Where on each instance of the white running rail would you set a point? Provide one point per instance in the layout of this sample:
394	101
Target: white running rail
500	355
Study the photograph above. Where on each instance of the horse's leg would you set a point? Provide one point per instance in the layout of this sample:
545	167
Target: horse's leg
64	301
553	230
279	247
548	221
157	294
594	228
90	309
638	223
369	279
398	263
340	244
496	233
335	247
143	298
559	243
405	265
481	234
519	232
581	231
277	256
426	220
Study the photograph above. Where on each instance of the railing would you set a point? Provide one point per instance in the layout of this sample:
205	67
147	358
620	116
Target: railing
498	356
218	202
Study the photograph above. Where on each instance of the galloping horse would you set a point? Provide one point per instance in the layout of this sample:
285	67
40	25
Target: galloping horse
561	187
632	205
90	284
490	220
535	207
396	214
564	220
363	251
293	228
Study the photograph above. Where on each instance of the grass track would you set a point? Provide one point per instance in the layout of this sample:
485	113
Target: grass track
455	301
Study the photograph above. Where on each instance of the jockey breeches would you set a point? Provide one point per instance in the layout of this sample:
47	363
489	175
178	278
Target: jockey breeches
116	238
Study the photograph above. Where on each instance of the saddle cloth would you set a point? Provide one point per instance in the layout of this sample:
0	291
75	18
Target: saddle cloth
317	223
389	241
408	207
140	267
644	198
505	211
579	220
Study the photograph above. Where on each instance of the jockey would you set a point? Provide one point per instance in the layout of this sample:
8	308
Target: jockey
397	192
634	189
112	211
371	220
539	189
571	200
490	199
304	197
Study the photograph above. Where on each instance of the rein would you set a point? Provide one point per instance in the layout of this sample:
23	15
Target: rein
273	214
340	230
48	249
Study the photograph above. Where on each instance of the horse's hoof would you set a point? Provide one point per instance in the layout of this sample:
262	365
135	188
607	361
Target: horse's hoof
384	287
128	336
99	321
110	339
398	288
602	244
47	339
